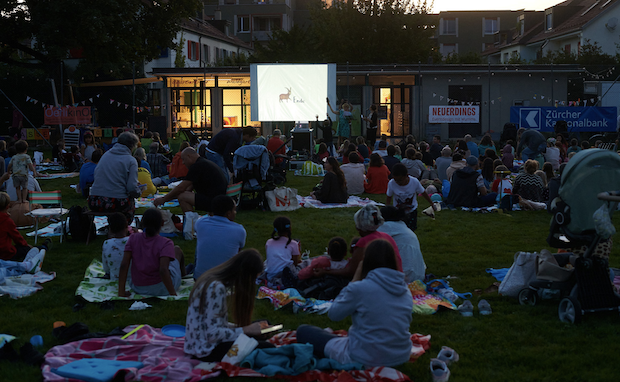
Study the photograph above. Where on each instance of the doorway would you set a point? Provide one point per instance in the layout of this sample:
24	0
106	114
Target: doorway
394	110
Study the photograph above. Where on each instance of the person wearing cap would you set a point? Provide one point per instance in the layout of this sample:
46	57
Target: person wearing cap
467	189
367	220
443	162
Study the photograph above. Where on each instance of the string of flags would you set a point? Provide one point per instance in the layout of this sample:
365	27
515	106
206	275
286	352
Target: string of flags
578	102
91	100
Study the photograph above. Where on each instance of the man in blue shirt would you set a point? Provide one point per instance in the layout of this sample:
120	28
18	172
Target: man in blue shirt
218	237
473	147
87	173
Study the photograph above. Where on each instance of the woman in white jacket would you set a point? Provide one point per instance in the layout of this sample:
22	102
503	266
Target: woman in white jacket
380	306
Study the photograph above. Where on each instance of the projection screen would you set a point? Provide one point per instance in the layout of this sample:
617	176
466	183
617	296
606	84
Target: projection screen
292	92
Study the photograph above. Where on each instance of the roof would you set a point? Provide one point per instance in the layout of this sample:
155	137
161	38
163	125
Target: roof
585	11
206	29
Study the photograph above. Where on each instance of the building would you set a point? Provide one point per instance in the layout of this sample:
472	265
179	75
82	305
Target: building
465	32
564	27
220	97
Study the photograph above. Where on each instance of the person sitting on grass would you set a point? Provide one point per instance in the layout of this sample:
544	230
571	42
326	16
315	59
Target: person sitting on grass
282	251
114	248
336	252
208	333
333	188
144	181
18	167
9	234
87	173
403	191
377	177
178	170
157	266
354	174
375	338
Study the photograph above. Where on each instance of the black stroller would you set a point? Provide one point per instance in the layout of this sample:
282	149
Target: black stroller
581	218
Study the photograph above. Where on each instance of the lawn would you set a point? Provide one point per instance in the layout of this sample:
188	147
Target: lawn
515	343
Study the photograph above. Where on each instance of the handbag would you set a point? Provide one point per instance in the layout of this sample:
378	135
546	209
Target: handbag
311	168
188	225
520	274
282	199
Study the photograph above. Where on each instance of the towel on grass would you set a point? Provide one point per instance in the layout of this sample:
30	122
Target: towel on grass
58	175
164	359
26	284
424	302
499	274
95	289
353	201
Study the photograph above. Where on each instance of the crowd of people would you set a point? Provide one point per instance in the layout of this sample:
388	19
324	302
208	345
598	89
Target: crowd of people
384	257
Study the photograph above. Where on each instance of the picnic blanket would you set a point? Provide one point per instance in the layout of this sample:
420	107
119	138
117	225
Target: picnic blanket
54	229
59	175
354	201
96	289
499	274
148	203
26	284
164	359
424	301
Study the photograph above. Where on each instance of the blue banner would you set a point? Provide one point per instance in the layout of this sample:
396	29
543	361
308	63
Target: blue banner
579	119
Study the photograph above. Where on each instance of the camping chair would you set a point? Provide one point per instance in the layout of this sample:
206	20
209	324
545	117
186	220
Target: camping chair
52	199
71	135
234	191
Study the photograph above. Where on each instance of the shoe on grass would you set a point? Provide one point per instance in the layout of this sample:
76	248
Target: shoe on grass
448	355
439	370
484	307
466	309
34	264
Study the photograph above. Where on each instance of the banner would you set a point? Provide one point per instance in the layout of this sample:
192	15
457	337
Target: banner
454	114
68	115
579	119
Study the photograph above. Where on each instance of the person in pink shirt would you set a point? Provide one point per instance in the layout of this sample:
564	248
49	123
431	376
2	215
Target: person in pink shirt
157	266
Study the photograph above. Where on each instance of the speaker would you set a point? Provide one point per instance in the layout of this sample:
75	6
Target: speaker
157	124
302	139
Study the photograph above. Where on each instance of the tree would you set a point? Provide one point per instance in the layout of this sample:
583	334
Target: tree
107	34
179	57
361	32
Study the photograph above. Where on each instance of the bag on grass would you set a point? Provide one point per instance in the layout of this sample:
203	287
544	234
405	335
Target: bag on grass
520	274
79	224
282	199
168	226
311	168
188	225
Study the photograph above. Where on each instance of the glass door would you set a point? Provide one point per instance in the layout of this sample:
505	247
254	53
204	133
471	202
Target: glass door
394	110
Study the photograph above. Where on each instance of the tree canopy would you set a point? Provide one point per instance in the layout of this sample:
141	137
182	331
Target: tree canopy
38	33
361	32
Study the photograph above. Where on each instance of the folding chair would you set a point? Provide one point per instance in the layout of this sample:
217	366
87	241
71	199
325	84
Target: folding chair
52	199
234	191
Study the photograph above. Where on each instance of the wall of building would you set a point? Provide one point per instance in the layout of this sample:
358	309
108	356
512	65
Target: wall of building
598	31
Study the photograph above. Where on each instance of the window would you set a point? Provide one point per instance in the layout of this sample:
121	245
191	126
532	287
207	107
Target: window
243	24
567	49
205	53
521	25
448	49
548	21
163	53
490	26
267	24
506	58
193	50
448	26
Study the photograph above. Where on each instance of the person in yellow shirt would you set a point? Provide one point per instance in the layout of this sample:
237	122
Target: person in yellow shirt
145	182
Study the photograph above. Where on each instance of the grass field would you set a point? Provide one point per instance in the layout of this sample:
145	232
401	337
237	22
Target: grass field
515	343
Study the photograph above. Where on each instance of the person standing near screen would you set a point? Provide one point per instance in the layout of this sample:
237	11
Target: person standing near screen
371	130
344	120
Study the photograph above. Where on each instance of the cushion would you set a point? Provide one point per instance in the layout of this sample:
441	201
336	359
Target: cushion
95	369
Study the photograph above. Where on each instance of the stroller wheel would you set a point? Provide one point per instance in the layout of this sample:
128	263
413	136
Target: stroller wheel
569	310
528	296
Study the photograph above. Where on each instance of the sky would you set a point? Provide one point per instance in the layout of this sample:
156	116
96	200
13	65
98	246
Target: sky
481	5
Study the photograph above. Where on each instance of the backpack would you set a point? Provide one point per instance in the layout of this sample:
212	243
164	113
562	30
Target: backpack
79	224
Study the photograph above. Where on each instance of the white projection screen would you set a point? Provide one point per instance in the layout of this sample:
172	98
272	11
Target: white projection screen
291	92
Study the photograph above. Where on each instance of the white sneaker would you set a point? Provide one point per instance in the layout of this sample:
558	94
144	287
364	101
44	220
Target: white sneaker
448	355
439	370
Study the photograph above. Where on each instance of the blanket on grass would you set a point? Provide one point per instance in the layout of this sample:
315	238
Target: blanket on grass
26	284
164	359
354	201
58	175
424	301
96	289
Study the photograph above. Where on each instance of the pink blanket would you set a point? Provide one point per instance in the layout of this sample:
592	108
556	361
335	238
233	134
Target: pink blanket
164	359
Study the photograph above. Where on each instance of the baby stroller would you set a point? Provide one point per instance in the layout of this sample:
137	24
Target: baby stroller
582	217
251	164
276	175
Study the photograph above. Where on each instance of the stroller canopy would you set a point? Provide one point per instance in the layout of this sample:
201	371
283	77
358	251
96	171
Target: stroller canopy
588	173
251	156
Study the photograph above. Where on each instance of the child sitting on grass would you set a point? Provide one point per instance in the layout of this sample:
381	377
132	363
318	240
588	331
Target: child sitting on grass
157	266
114	247
19	166
20	251
336	252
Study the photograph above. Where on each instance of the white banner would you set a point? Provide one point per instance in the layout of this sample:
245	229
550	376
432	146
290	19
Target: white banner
454	114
